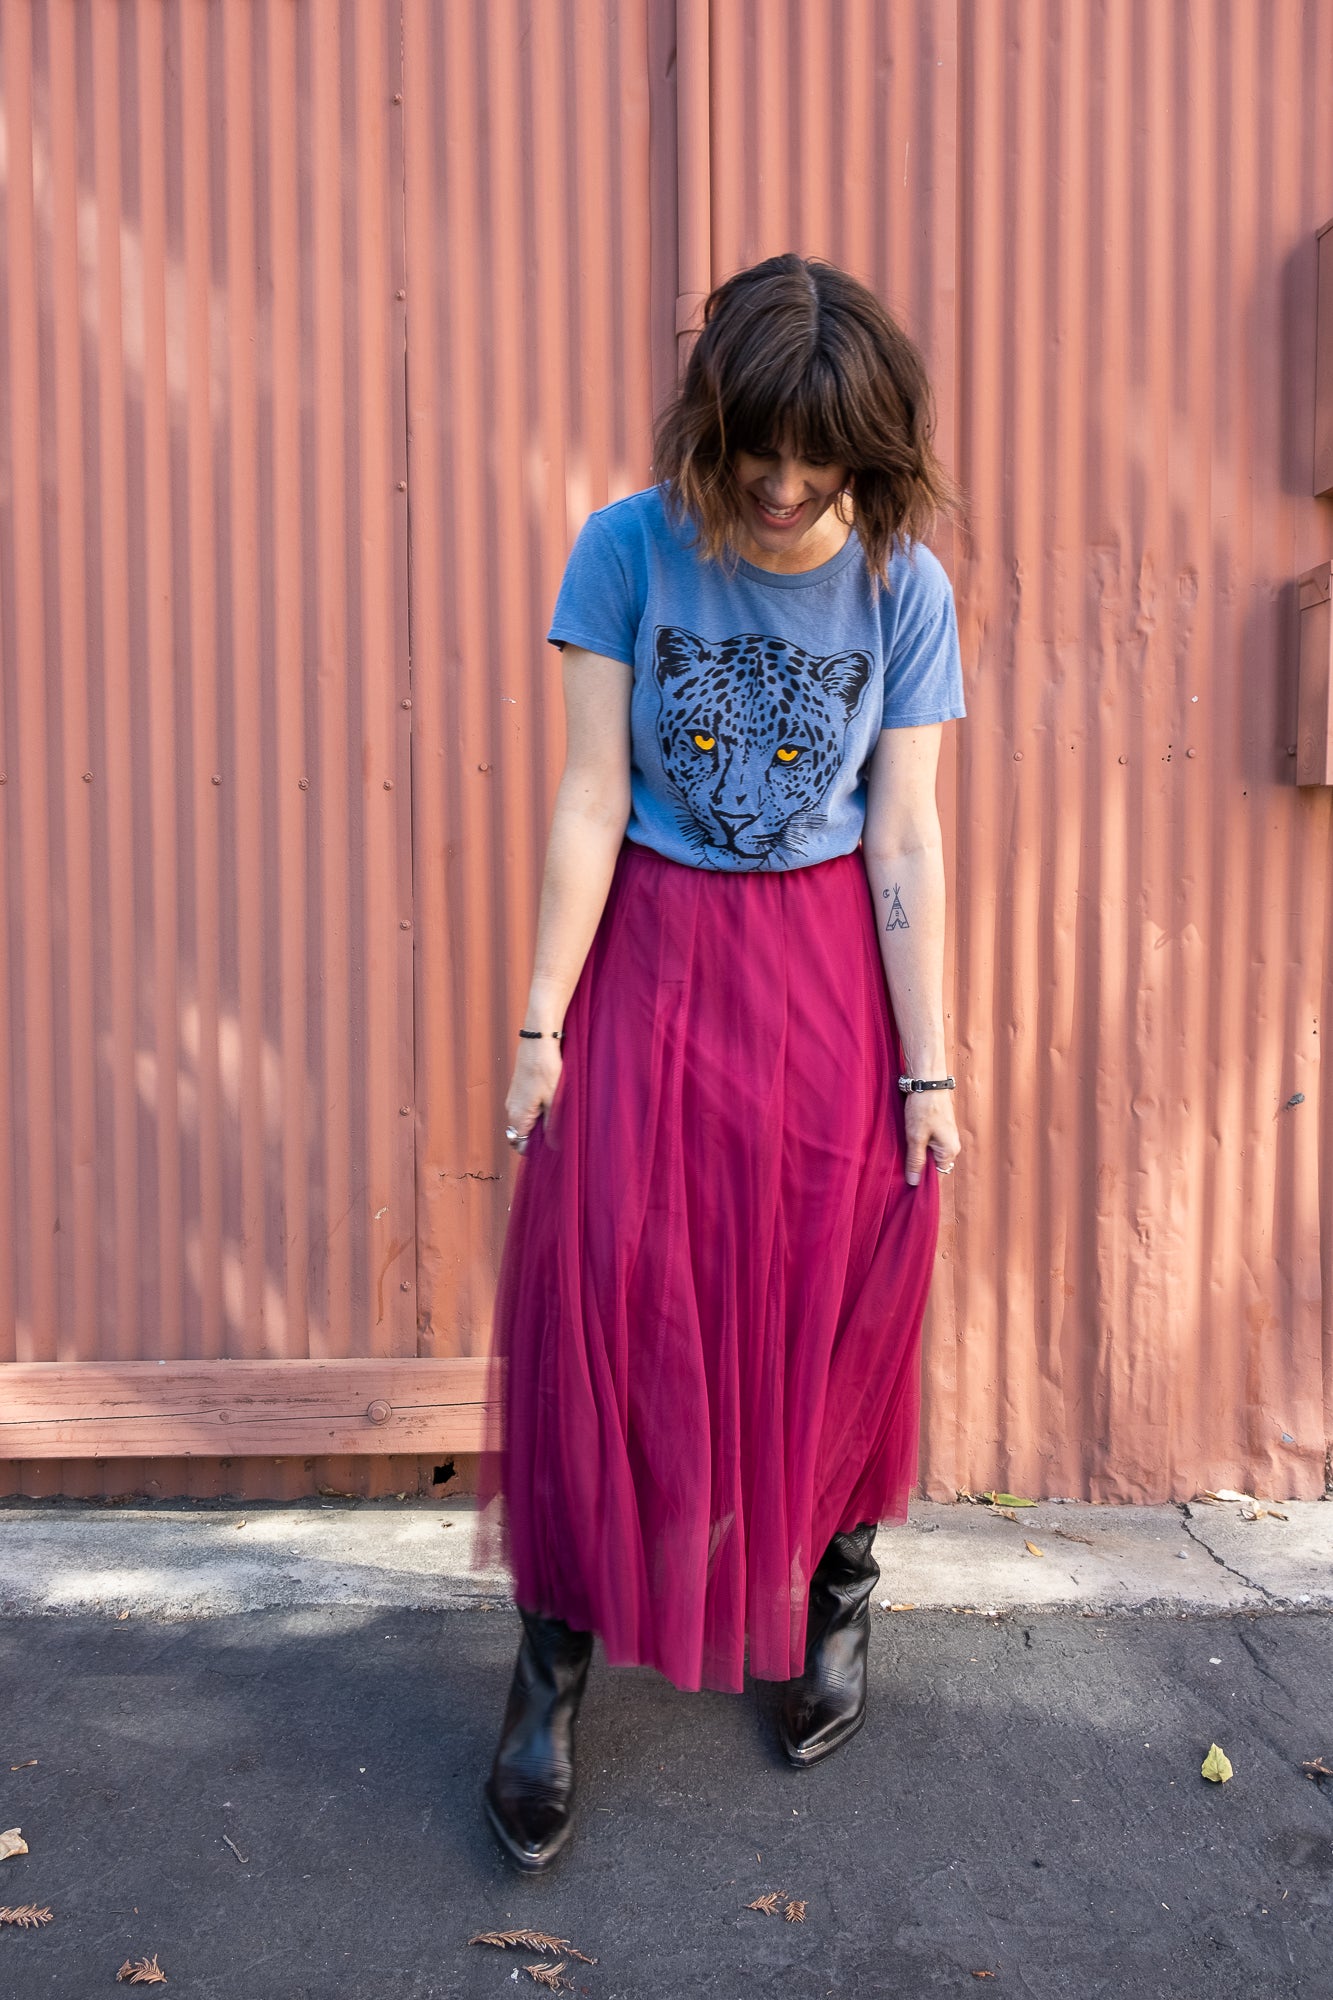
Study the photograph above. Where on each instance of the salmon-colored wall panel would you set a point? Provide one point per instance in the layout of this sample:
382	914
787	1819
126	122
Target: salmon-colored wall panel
1099	223
532	357
206	719
1143	897
265	289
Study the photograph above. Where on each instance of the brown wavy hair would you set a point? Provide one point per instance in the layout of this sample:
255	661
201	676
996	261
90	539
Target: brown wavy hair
797	351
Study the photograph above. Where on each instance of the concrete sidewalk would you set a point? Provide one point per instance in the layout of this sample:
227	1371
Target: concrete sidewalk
209	1560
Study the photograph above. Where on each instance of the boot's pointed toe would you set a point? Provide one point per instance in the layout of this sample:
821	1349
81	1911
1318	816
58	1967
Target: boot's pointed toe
531	1831
827	1705
529	1796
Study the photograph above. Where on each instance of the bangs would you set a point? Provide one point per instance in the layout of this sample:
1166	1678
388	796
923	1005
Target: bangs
794	400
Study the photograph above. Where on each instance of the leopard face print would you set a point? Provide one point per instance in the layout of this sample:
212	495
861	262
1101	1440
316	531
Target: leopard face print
752	733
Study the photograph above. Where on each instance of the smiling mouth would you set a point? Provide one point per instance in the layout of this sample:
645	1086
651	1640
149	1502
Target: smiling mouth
779	517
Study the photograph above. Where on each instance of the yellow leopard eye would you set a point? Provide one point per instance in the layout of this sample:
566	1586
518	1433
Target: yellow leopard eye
705	742
787	754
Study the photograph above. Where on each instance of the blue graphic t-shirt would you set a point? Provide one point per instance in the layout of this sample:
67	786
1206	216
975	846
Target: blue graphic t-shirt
758	696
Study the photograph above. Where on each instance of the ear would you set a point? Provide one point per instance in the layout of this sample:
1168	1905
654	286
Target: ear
845	675
676	651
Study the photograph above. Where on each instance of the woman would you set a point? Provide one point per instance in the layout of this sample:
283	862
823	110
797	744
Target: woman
711	1295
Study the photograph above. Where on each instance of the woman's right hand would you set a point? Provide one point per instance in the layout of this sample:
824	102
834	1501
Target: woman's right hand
531	1088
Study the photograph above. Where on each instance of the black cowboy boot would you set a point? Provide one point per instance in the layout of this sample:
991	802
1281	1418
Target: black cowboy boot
828	1703
531	1786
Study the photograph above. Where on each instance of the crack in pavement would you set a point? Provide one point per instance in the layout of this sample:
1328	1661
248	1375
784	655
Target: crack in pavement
1239	1575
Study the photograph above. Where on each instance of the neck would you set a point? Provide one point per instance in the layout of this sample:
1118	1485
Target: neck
820	545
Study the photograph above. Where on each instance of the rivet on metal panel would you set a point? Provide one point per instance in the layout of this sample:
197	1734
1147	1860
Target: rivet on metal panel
406	701
404	1111
1123	758
1291	749
405	1284
388	784
402	486
404	924
1189	753
483	767
398	97
217	777
400	294
379	1411
4	777
304	783
87	777
1018	756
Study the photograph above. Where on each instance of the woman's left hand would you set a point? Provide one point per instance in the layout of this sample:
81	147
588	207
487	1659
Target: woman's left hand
931	1127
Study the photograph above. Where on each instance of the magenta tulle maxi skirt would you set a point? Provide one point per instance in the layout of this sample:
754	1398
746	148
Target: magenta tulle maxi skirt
711	1294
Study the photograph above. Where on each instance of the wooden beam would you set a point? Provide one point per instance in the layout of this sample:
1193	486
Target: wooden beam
234	1409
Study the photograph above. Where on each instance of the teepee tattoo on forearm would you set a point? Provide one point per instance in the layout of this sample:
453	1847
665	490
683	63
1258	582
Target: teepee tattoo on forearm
897	914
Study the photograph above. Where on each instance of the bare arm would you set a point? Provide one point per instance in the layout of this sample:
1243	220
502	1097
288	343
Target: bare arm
587	828
904	860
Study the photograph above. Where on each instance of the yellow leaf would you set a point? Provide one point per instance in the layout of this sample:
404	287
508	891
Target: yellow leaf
1216	1765
902	1607
1009	1500
1033	1550
12	1842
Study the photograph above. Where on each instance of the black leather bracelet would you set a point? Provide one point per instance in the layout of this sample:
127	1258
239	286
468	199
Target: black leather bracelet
536	1034
907	1084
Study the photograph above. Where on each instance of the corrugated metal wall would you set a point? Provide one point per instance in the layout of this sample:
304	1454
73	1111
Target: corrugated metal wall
539	244
203	611
1098	220
1144	898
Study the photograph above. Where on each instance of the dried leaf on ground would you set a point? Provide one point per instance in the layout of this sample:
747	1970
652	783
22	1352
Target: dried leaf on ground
1216	1765
528	1940
549	1975
983	1975
902	1607
1033	1550
795	1911
1227	1494
26	1765
1008	1500
1317	1769
581	1956
143	1972
1068	1535
12	1842
768	1904
1258	1510
1004	1513
27	1916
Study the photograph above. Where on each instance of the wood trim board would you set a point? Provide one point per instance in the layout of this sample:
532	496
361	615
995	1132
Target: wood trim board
211	1409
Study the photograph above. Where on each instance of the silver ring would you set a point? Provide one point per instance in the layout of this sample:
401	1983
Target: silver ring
511	1133
942	1170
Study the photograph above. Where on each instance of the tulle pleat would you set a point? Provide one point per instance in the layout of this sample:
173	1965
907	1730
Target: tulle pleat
710	1299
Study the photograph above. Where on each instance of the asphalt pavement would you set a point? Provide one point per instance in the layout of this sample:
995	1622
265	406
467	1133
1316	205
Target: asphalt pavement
283	1804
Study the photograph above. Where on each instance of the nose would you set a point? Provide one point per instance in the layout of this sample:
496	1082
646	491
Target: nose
786	486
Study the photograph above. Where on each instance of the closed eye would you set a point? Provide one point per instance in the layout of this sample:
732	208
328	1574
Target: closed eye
789	752
702	742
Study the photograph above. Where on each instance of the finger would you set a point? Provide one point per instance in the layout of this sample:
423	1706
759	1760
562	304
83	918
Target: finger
916	1159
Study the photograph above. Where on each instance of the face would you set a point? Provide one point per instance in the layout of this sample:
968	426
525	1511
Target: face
785	500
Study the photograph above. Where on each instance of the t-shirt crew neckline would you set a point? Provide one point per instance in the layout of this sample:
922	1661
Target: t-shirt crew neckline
798	579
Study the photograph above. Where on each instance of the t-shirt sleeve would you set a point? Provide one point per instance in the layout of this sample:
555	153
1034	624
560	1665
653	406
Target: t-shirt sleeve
596	604
923	675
